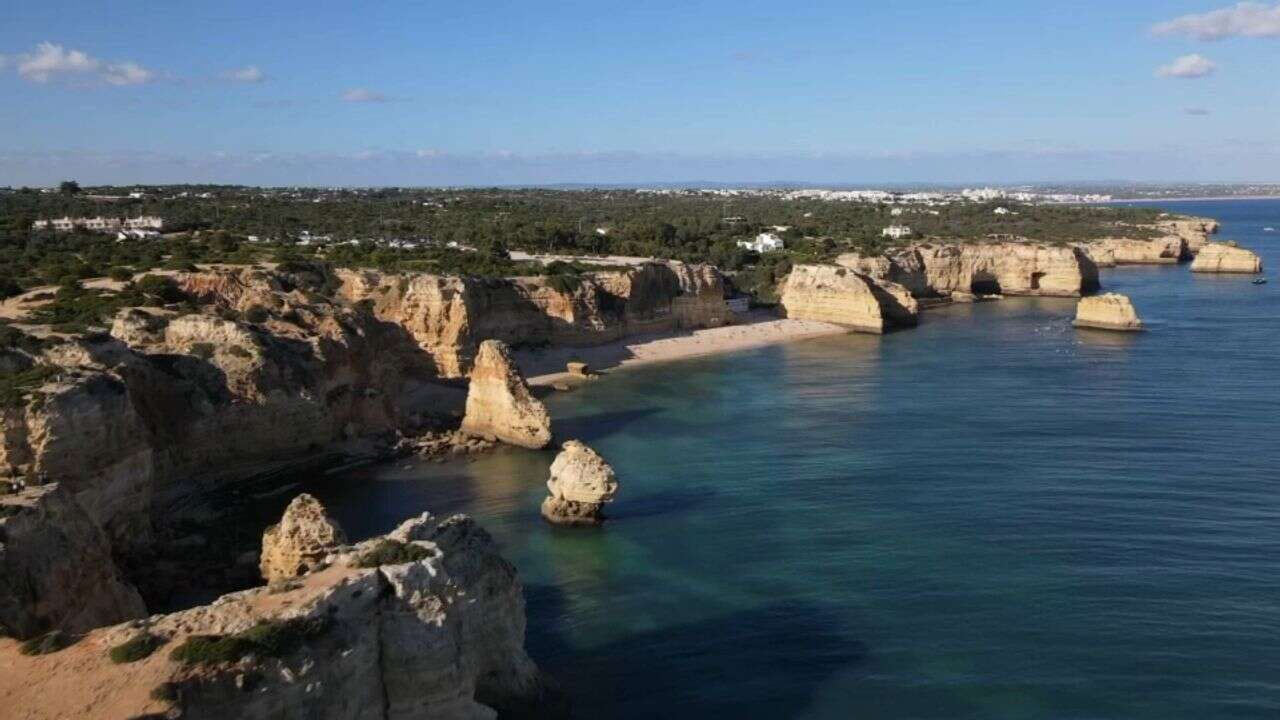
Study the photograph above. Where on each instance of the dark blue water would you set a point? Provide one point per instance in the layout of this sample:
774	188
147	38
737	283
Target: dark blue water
993	515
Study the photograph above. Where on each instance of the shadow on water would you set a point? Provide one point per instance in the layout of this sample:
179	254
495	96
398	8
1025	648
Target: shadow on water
763	662
589	428
664	502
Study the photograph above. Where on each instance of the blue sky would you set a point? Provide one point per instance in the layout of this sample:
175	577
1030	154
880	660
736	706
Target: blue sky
478	93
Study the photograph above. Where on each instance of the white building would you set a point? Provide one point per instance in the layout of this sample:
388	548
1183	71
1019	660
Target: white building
1002	211
897	232
764	242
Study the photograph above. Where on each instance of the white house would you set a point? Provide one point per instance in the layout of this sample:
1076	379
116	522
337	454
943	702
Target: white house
1002	211
897	232
764	242
67	224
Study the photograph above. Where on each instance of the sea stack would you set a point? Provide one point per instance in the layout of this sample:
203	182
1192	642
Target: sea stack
301	540
581	483
499	403
1111	311
1226	258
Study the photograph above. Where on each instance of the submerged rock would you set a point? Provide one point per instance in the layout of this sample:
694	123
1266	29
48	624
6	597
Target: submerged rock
300	541
1224	258
581	483
499	403
1111	311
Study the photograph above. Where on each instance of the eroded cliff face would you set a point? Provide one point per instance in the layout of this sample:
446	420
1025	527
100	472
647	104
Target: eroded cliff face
1109	311
499	404
171	405
843	296
439	636
57	567
449	316
1180	238
1019	268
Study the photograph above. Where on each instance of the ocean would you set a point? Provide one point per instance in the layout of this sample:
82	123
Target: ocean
993	515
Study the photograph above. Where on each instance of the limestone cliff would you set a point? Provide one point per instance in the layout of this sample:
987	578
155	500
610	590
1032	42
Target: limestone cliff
1110	311
1165	250
1015	268
842	296
437	633
300	541
56	567
581	483
448	317
1226	258
499	403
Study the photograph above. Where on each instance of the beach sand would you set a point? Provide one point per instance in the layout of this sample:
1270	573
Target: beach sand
757	329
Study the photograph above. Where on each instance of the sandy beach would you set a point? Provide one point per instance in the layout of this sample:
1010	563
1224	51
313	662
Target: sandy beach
758	329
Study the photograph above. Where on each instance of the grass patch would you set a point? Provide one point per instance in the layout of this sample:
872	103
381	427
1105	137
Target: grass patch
50	642
268	639
136	648
392	552
16	387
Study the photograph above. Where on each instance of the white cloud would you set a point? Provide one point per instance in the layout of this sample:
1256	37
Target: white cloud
364	95
1198	111
428	154
246	74
1188	67
51	62
127	73
1246	19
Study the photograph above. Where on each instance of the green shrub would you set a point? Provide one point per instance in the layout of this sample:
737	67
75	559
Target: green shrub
256	314
204	351
15	387
50	642
121	274
136	648
165	692
268	639
392	552
564	284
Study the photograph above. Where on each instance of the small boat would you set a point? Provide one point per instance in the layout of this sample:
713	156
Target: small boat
1260	281
1268	229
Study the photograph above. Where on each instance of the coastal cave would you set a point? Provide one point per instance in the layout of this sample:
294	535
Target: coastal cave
1035	280
984	283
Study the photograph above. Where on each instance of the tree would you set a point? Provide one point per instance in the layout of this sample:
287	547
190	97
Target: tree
69	187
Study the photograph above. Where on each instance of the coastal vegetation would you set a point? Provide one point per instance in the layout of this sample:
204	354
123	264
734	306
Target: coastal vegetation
267	639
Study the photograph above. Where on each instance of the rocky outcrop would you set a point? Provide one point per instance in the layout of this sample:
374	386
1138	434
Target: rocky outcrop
1226	258
299	543
581	483
1194	230
844	296
1014	268
448	317
437	631
1165	250
499	403
56	566
1111	311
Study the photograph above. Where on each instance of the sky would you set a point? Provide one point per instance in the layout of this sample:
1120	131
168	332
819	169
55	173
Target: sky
498	93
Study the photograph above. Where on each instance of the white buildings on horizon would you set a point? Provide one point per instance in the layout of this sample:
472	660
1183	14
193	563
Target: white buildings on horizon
897	232
101	224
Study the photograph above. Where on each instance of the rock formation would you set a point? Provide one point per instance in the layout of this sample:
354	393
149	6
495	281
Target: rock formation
845	297
1015	268
437	632
581	483
448	317
499	403
1165	250
1194	230
56	567
300	541
1111	311
1224	258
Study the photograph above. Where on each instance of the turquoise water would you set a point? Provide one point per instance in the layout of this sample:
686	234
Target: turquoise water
993	515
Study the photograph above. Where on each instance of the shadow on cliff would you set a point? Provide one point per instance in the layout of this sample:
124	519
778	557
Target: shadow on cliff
592	427
762	662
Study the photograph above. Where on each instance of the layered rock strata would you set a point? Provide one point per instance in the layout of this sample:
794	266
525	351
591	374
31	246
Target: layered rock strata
437	631
580	485
839	295
448	317
1225	258
1111	311
499	403
301	540
1018	268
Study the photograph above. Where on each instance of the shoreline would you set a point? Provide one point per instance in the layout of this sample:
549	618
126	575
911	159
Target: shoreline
1191	199
759	328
